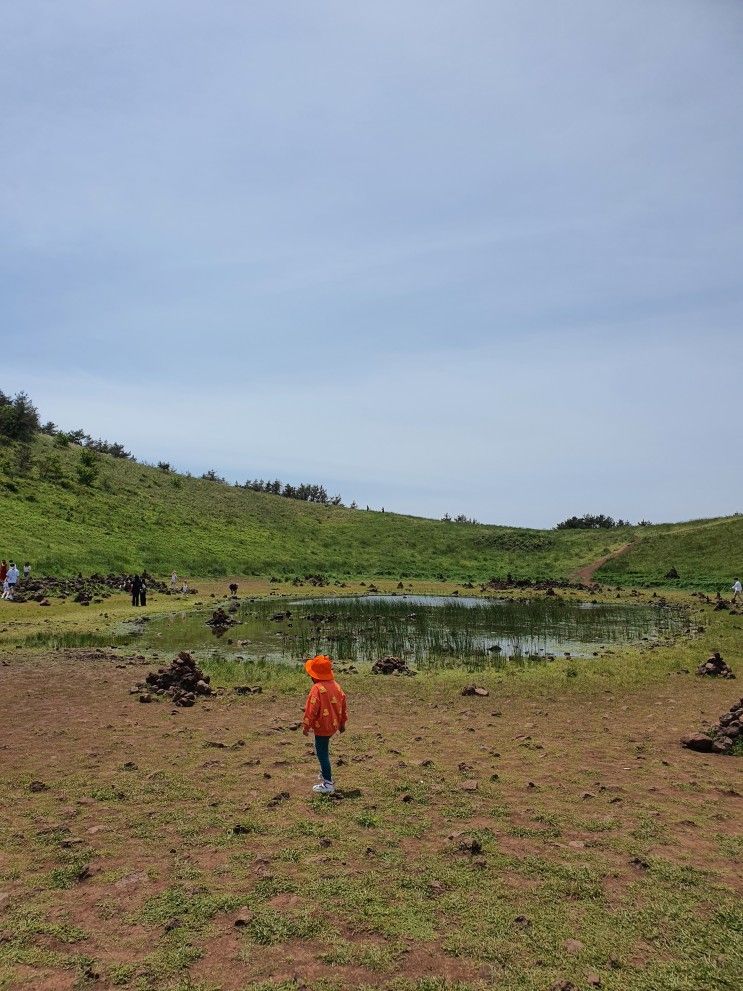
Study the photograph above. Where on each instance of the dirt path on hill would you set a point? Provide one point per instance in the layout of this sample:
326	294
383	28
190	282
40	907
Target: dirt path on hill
586	573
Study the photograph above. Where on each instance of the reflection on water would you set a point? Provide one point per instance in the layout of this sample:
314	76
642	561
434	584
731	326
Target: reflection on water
426	630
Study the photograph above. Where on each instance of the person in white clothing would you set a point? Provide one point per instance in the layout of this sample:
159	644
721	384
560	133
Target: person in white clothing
7	590
737	589
173	580
13	574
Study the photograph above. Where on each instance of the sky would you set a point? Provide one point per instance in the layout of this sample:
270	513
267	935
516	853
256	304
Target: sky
475	257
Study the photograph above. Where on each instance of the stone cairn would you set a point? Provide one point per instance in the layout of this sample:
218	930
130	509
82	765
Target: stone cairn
183	681
715	667
391	665
722	737
220	620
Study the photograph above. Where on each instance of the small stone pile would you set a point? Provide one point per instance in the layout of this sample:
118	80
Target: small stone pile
183	681
715	667
722	737
391	665
220	619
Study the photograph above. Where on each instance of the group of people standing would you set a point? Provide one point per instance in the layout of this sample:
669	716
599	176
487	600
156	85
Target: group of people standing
10	576
137	585
138	589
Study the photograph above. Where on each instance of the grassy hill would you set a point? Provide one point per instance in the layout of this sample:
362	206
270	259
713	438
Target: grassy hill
135	517
705	553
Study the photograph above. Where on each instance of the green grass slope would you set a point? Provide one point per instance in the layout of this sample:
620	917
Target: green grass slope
705	553
136	517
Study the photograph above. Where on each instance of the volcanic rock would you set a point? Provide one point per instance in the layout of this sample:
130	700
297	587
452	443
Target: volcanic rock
183	681
220	619
715	667
391	665
723	736
475	690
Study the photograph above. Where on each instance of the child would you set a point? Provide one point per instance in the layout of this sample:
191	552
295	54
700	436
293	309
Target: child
324	714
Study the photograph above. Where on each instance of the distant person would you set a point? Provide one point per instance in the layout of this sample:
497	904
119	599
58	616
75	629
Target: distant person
143	592
3	570
184	589
136	589
13	575
7	590
737	589
26	570
324	715
173	580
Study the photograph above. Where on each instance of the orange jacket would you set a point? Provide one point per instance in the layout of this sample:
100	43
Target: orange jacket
325	710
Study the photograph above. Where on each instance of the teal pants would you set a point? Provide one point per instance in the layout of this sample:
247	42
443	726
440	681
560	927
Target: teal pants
322	749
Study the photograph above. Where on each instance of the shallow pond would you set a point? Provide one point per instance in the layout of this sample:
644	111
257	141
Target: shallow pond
425	630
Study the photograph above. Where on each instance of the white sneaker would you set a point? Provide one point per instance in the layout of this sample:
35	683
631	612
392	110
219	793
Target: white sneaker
326	788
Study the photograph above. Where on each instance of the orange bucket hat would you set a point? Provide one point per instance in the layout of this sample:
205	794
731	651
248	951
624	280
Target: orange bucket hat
320	667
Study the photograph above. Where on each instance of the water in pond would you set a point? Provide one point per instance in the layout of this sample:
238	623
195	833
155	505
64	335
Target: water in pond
426	630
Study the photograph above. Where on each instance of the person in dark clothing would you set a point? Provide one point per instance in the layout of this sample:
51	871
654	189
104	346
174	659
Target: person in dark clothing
136	590
143	592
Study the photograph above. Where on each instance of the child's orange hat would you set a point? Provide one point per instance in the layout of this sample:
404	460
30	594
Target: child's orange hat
320	667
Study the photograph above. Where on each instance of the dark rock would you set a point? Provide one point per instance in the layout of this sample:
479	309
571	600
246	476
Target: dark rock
715	667
698	742
391	665
475	690
471	846
722	737
183	681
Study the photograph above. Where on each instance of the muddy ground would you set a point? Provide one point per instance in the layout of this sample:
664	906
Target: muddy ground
553	831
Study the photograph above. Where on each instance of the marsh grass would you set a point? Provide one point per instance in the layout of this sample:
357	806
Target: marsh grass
433	631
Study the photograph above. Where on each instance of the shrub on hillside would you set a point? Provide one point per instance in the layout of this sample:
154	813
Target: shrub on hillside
50	468
305	492
88	467
19	418
591	522
23	460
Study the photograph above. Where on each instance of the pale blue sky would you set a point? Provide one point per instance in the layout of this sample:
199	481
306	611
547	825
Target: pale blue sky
482	257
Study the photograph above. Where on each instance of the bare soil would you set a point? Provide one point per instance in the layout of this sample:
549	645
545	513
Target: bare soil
135	807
